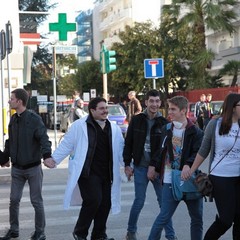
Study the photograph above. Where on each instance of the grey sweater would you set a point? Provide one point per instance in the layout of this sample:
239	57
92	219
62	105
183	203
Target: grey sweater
208	142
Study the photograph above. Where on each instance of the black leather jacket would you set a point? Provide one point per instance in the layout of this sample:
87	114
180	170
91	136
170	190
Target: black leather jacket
136	136
28	140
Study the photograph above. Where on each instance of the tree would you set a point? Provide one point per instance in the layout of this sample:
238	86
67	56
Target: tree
232	68
200	15
88	77
41	72
137	43
29	22
42	60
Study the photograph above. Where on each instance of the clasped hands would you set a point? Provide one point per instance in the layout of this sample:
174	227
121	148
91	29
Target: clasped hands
49	162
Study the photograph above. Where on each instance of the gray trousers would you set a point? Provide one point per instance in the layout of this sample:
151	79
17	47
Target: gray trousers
34	177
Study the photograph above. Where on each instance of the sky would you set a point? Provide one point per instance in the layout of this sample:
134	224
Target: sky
70	7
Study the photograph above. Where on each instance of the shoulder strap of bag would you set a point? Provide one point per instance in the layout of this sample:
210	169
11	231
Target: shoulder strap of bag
226	152
169	142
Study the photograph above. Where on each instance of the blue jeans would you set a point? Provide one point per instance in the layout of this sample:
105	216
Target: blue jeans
140	184
169	205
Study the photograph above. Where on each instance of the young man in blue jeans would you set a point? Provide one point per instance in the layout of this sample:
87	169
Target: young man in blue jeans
142	136
178	147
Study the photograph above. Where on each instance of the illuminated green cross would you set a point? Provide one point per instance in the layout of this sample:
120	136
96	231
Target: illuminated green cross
62	27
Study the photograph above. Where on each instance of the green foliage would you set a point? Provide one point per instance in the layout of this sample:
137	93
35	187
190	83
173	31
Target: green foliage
137	43
231	68
89	76
199	16
214	81
41	72
29	22
67	60
42	60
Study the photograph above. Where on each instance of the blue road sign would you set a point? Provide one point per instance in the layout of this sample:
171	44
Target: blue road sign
153	68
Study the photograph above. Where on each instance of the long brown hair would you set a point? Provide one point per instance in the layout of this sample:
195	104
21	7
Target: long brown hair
230	102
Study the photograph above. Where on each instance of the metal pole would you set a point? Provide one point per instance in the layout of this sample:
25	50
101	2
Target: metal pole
9	76
154	83
54	95
2	98
105	94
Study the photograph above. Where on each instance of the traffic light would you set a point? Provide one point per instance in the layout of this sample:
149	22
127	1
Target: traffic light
103	60
110	61
2	44
9	40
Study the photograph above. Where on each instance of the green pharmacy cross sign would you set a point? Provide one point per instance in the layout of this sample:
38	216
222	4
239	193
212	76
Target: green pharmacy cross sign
62	27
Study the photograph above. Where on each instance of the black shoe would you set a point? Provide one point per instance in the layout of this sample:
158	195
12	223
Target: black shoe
38	236
104	238
10	234
76	237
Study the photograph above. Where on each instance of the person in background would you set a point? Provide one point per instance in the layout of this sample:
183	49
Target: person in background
79	111
28	142
76	97
177	149
200	106
208	111
134	106
143	134
124	105
94	169
222	141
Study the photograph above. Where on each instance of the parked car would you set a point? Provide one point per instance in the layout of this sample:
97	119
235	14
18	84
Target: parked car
116	115
59	111
217	106
67	117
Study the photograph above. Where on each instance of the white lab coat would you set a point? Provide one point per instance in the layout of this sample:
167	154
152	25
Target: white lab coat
75	142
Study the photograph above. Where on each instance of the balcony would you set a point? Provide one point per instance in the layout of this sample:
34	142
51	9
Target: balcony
115	19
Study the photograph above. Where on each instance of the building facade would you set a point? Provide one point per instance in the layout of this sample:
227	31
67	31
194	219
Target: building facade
112	16
84	39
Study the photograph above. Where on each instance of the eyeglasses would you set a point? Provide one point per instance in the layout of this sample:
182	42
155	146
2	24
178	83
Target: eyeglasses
237	105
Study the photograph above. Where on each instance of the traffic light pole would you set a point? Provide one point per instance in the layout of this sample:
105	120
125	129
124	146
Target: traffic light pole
105	91
107	61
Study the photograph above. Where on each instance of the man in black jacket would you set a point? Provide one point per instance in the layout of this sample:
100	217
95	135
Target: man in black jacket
143	135
28	142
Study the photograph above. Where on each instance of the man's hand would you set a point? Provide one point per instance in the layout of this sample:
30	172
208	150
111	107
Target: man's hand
49	162
7	164
129	172
186	173
151	174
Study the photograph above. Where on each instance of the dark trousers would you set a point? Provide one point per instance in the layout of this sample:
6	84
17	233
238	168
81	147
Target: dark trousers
34	177
200	122
96	195
226	194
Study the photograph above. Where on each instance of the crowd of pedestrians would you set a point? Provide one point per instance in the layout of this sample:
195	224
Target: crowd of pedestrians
152	150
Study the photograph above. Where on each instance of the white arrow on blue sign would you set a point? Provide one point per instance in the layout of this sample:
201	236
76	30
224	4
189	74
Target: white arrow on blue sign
153	68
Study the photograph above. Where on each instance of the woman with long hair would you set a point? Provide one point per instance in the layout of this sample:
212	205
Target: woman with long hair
222	140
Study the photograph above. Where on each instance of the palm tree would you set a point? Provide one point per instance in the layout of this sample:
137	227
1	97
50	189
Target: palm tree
200	15
232	67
